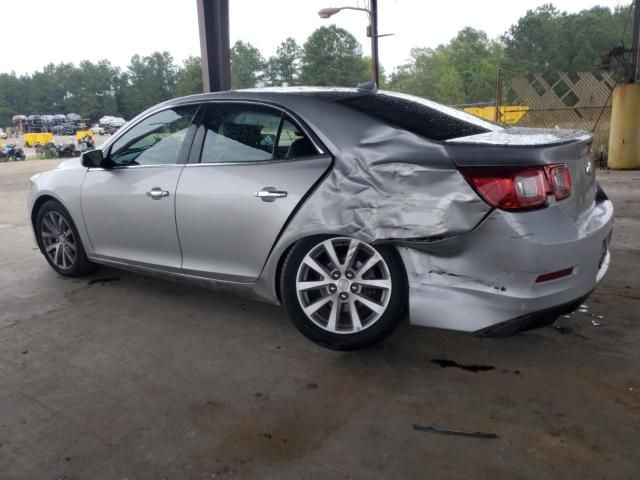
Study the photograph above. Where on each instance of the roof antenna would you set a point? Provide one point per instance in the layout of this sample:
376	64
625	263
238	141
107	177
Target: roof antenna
369	86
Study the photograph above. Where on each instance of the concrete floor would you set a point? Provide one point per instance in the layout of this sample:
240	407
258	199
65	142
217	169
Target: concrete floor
137	378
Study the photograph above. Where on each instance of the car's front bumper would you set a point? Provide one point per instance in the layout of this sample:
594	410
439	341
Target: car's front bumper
485	281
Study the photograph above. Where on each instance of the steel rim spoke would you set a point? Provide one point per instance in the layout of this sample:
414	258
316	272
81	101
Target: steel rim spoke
355	317
343	285
311	285
370	304
328	247
314	307
375	283
311	263
373	261
58	240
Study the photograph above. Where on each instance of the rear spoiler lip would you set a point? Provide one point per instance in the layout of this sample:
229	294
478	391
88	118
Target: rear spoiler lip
570	145
518	137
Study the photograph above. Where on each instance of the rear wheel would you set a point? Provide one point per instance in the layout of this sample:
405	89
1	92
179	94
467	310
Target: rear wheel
59	241
343	293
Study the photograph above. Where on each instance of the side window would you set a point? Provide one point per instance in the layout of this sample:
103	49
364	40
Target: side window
240	133
293	143
156	140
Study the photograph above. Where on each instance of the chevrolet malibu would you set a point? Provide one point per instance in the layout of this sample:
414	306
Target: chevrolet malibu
349	207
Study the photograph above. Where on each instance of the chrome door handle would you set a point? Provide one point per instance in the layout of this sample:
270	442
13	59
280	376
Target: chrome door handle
157	193
270	194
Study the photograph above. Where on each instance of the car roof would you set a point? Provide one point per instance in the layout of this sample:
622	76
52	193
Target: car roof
280	95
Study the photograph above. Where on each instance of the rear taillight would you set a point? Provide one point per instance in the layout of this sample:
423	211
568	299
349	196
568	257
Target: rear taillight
560	178
509	188
519	188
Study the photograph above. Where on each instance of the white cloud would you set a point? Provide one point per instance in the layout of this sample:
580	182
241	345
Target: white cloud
73	30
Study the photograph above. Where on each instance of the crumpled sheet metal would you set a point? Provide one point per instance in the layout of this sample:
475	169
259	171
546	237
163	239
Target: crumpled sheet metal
392	185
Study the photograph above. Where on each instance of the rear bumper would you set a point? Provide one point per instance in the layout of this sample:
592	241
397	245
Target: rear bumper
485	281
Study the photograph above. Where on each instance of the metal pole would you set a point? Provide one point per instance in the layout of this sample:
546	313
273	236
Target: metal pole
375	72
213	23
635	49
497	117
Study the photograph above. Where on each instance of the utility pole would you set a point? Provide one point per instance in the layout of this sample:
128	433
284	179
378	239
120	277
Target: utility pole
373	27
624	136
372	32
213	23
635	48
498	113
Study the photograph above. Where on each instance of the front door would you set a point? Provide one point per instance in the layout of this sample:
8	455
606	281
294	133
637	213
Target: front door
129	206
256	165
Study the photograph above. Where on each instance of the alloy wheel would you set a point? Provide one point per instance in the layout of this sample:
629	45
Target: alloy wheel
58	240
343	285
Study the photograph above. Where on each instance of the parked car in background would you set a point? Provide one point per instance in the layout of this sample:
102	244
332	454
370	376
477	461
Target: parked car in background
97	129
69	128
347	206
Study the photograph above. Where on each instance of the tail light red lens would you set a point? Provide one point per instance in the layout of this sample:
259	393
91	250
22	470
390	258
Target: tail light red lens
509	188
519	188
560	178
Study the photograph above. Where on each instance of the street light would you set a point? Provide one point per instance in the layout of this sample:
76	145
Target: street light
372	31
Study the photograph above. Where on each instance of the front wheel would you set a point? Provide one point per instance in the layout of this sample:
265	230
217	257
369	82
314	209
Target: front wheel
343	293
60	242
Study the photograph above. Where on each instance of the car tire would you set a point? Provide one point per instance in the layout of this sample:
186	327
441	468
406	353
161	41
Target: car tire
60	242
362	293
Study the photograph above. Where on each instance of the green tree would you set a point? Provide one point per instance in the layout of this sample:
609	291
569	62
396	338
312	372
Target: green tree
91	89
148	80
247	66
332	56
476	58
284	67
547	40
431	74
189	77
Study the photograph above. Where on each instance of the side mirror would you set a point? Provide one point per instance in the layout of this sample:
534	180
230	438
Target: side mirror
92	159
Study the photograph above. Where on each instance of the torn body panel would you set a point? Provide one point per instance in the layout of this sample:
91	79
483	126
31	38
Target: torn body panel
492	271
391	184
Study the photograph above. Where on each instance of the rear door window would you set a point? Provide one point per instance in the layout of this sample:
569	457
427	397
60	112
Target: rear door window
240	133
237	133
292	142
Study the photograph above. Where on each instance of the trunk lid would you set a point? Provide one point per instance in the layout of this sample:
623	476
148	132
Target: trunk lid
531	147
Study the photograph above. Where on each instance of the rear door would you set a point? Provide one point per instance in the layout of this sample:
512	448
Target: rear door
251	165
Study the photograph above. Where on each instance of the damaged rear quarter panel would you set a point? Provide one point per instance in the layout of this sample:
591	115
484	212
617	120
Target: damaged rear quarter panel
386	184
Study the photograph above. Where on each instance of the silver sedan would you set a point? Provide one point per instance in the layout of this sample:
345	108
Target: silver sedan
350	207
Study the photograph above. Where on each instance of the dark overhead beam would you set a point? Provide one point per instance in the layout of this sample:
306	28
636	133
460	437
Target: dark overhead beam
213	22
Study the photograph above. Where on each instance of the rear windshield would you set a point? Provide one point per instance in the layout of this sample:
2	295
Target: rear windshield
419	116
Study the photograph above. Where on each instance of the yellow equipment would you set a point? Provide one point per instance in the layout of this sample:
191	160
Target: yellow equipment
624	136
509	114
30	139
80	134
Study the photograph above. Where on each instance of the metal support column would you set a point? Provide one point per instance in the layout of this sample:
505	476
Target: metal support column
213	22
635	48
375	70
